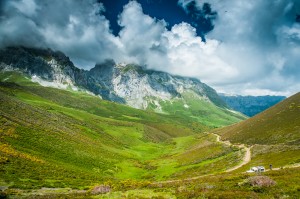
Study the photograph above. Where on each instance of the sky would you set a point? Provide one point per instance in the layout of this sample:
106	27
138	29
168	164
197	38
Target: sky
235	46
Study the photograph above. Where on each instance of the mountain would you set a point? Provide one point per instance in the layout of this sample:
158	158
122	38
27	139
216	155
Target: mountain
278	124
251	105
127	84
69	143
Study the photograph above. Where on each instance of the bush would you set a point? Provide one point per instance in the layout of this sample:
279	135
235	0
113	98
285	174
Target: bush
101	189
261	181
2	195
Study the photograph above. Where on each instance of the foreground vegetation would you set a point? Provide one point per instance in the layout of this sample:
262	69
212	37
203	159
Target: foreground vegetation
273	184
283	183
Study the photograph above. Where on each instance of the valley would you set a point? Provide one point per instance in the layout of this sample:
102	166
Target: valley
66	142
149	99
60	138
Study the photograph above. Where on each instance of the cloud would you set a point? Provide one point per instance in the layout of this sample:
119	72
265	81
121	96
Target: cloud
202	15
75	27
253	47
28	8
260	39
140	34
179	51
79	29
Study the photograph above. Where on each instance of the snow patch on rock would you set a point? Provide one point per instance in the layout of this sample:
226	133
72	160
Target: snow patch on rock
233	111
137	89
186	106
53	84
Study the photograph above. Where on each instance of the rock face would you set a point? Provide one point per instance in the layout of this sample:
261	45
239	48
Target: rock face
251	105
129	84
44	65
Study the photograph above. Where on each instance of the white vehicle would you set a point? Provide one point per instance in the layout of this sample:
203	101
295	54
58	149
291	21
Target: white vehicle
256	169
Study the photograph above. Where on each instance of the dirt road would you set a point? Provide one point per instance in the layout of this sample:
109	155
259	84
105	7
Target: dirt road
247	157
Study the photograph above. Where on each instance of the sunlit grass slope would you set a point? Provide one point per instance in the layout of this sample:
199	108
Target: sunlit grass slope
191	107
194	108
60	138
278	124
273	134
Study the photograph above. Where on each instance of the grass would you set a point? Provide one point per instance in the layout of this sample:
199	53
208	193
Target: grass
140	193
59	138
277	125
274	135
226	185
200	110
58	143
270	154
277	155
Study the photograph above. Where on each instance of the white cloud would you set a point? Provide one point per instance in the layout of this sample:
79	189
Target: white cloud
190	56
253	48
82	33
259	39
26	7
75	27
140	34
179	51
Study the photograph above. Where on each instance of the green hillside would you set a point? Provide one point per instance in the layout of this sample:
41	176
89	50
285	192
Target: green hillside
278	124
60	138
193	108
59	143
274	135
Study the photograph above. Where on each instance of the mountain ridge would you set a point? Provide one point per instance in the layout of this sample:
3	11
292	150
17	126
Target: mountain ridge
251	105
128	84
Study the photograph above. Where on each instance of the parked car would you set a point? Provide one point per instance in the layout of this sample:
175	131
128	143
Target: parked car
256	169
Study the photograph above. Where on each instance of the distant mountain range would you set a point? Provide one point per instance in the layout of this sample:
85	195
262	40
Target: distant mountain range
123	83
251	105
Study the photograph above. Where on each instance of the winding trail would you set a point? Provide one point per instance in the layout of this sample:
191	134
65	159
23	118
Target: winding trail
246	159
284	167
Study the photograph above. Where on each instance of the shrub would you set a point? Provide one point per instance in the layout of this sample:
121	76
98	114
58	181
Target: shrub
3	195
101	189
261	181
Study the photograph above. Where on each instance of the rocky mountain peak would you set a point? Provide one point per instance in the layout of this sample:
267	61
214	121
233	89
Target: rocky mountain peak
124	83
